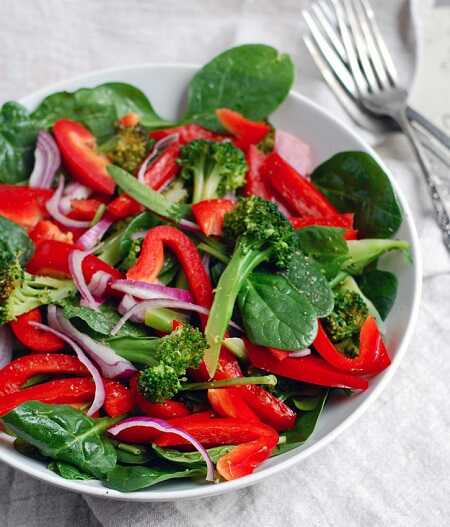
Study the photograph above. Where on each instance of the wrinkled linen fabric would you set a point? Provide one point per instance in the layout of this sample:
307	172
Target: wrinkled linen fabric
391	467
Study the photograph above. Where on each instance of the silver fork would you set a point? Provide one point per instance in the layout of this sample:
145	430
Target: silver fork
370	77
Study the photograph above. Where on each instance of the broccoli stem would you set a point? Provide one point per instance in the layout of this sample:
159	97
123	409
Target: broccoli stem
211	185
199	181
363	252
138	350
240	266
269	380
213	251
161	319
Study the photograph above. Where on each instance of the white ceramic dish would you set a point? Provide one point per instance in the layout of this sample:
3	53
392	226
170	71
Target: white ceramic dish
165	86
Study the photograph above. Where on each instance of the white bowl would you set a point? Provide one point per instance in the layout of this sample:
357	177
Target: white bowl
165	86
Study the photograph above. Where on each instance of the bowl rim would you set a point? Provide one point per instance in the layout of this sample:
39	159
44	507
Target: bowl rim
212	490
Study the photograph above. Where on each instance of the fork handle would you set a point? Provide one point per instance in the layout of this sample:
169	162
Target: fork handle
440	211
436	132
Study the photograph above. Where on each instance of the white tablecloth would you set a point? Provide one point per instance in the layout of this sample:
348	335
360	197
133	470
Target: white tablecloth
391	468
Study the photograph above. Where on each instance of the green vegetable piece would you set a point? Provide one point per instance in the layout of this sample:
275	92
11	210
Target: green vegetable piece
349	314
191	458
275	314
354	181
65	434
253	79
142	222
362	252
381	288
129	479
306	422
146	196
15	241
67	471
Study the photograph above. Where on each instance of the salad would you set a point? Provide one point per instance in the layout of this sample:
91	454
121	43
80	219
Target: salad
180	300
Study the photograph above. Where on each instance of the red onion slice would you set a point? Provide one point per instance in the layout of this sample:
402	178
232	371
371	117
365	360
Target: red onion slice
91	237
189	225
53	204
47	160
73	191
164	426
99	397
300	353
76	258
111	365
6	346
158	147
146	291
98	285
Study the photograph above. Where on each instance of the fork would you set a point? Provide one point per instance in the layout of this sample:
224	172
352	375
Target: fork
360	60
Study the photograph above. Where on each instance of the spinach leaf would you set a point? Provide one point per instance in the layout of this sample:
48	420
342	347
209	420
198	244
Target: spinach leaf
275	314
67	471
64	434
134	459
355	182
17	141
97	108
129	479
381	288
15	240
191	458
101	321
306	422
253	79
304	274
326	245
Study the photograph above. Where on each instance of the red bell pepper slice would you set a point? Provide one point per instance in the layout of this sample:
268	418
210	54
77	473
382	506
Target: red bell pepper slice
187	133
78	149
60	391
255	185
24	205
243	459
17	372
300	195
220	431
164	168
34	338
119	399
344	221
124	206
47	230
373	356
51	258
84	209
228	402
247	132
209	215
129	120
151	260
310	369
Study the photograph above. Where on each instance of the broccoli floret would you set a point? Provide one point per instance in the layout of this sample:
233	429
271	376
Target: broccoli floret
20	291
128	148
349	314
259	233
166	360
213	168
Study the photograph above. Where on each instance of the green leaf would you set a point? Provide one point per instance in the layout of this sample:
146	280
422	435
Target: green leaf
129	479
15	240
64	434
326	245
380	287
144	456
253	79
17	142
101	321
191	458
304	274
67	471
306	422
97	108
275	314
355	182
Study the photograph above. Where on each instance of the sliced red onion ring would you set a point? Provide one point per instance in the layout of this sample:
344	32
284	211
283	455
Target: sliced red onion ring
98	284
146	291
73	191
99	397
92	236
189	225
111	365
76	258
47	160
52	206
164	426
6	346
206	261
300	353
158	147
126	304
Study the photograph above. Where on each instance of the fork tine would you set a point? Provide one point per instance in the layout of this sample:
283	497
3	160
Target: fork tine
328	11
330	55
359	78
386	58
333	36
